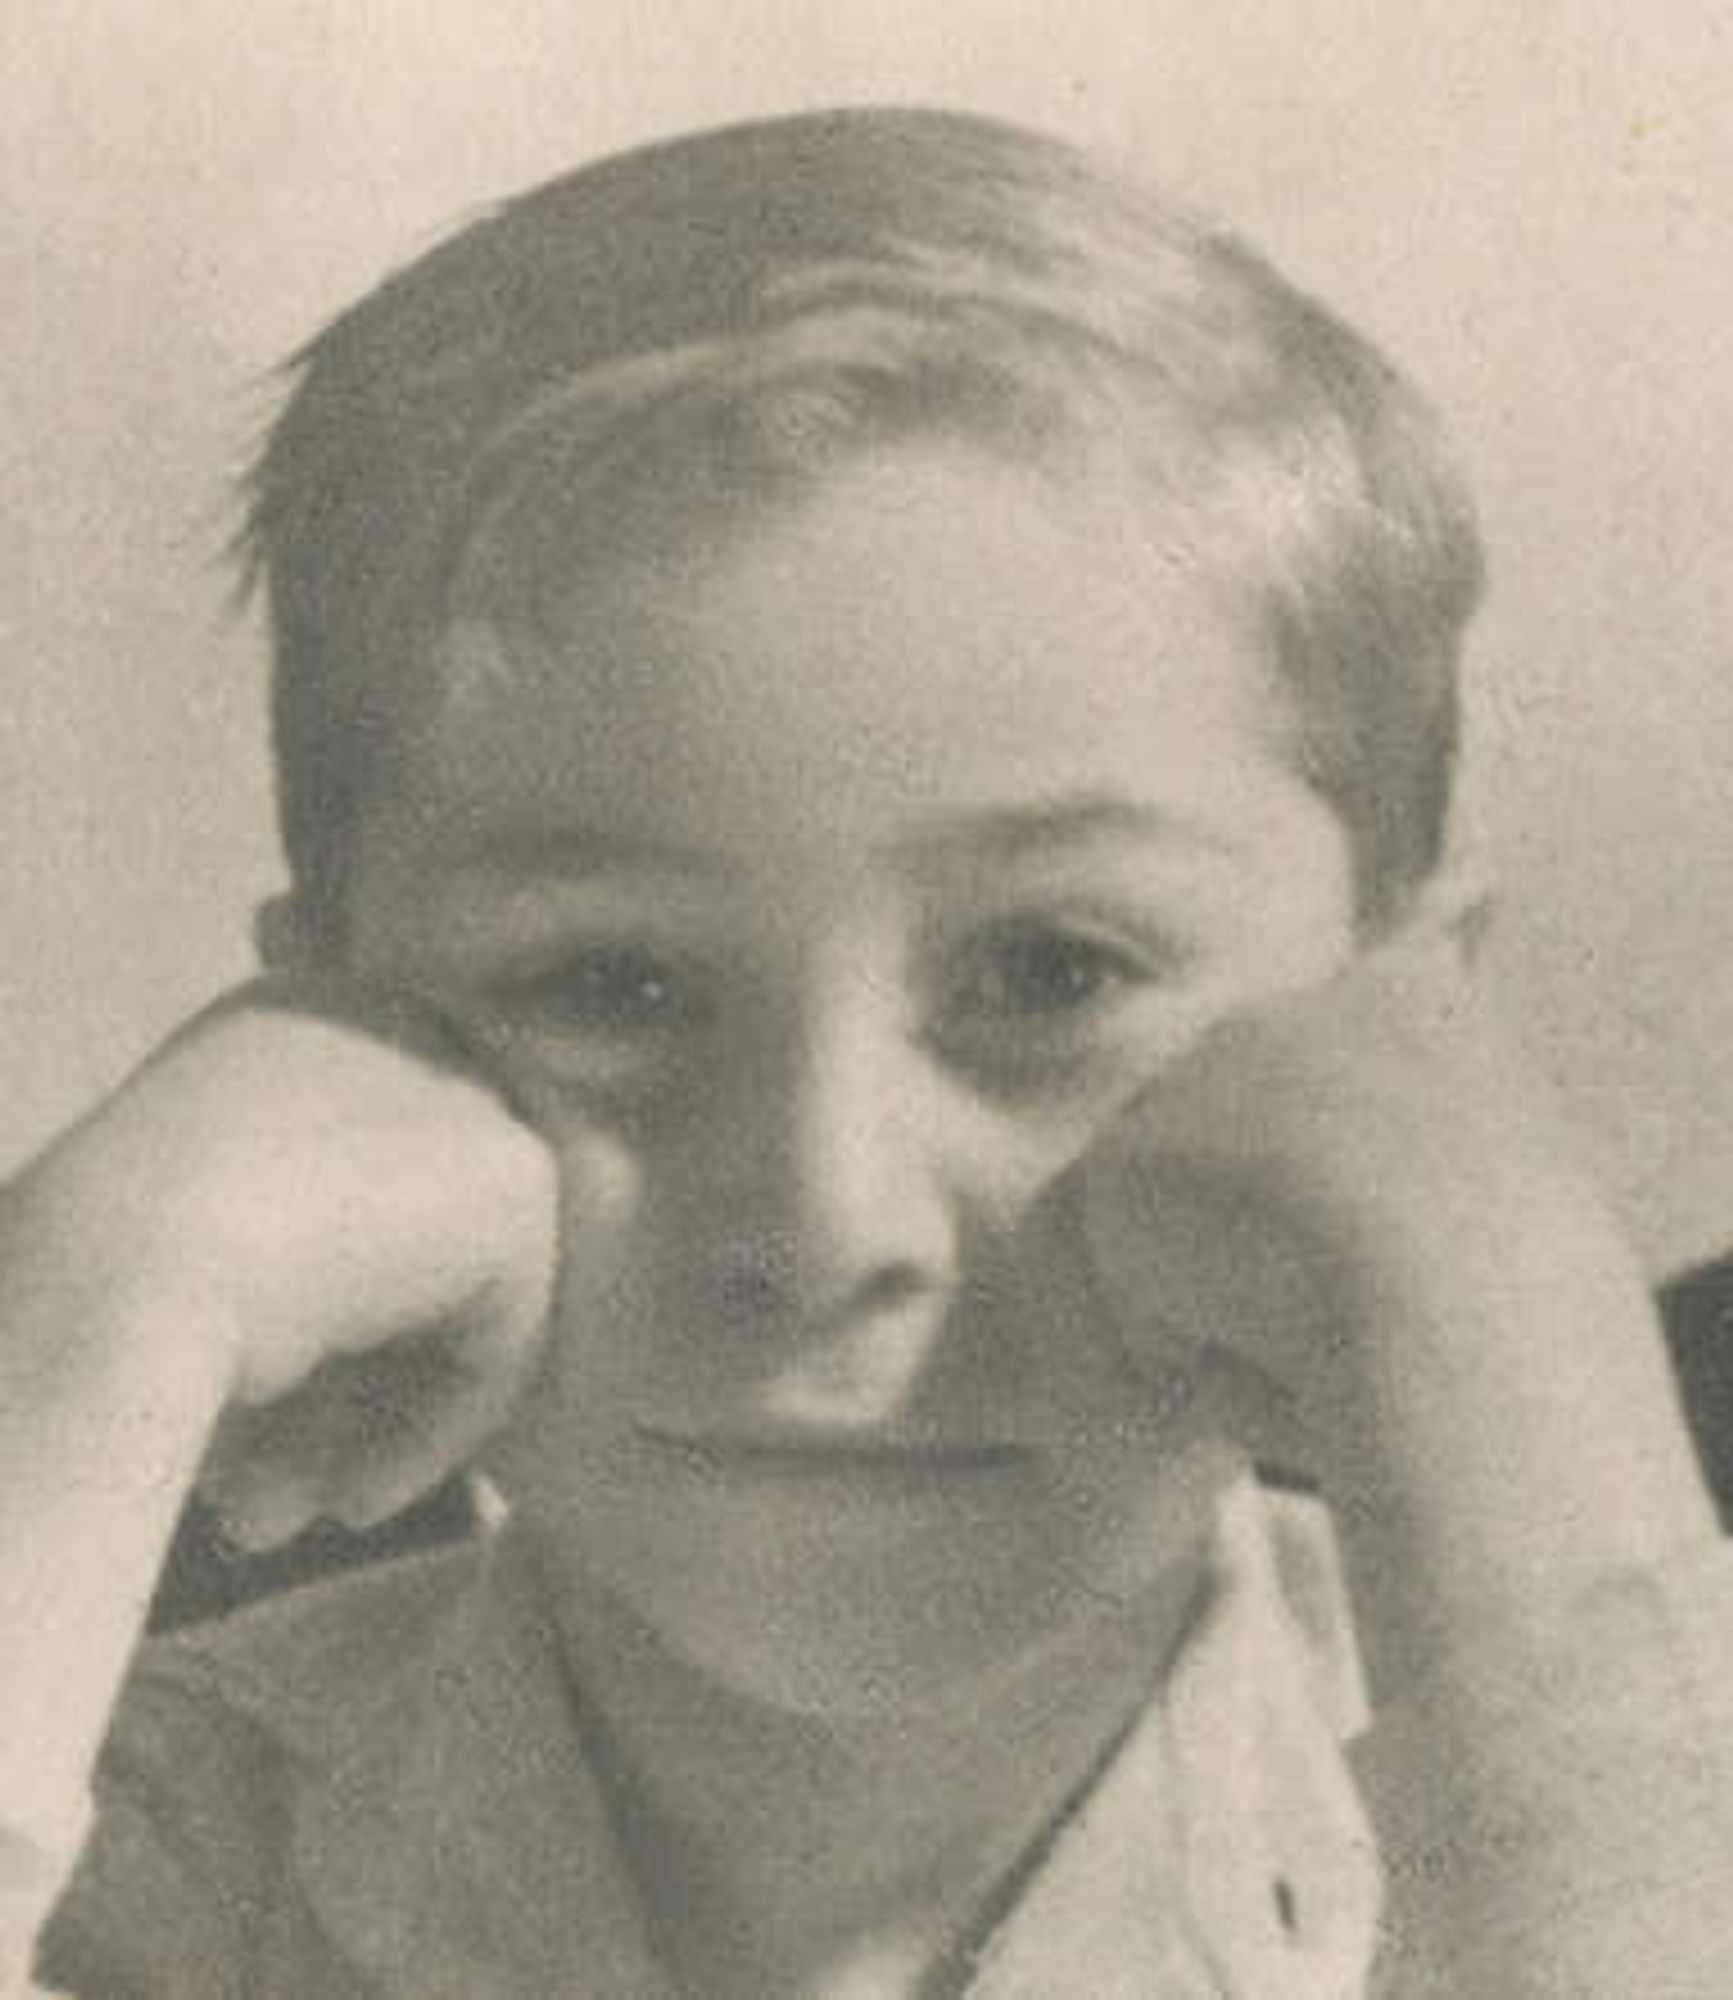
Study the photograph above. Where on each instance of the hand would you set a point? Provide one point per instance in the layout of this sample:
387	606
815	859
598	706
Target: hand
321	1186
1272	1211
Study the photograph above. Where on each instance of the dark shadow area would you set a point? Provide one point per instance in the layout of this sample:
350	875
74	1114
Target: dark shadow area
1698	1308
205	1578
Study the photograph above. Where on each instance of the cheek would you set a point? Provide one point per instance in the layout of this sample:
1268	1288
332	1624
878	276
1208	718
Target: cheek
605	1197
603	1353
638	1322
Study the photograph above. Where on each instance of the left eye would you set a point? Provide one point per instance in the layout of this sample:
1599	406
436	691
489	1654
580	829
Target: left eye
1036	972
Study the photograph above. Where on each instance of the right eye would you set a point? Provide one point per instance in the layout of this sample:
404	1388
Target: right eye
619	989
607	1013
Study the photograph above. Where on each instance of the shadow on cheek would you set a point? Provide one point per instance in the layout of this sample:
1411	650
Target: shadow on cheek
1238	1293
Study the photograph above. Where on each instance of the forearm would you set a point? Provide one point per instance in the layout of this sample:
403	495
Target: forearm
105	1406
1523	1440
1551	1784
1470	1363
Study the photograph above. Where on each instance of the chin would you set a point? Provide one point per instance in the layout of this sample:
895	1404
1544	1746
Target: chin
828	1600
845	1640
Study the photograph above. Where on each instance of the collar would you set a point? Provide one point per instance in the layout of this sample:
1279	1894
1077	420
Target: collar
452	1840
1224	1855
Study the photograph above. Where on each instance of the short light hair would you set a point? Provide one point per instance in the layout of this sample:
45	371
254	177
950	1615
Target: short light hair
687	329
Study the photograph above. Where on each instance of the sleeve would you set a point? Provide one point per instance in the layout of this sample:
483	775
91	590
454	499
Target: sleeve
1577	1844
171	1886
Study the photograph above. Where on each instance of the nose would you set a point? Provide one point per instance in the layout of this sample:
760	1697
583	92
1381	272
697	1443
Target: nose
844	1195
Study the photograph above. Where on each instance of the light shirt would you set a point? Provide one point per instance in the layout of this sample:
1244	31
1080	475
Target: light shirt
378	1790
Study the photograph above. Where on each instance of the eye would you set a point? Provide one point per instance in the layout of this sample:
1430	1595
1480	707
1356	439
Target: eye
626	988
1029	970
1032	1003
606	1014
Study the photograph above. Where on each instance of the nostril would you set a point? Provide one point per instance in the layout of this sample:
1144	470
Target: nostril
762	1281
757	1280
890	1286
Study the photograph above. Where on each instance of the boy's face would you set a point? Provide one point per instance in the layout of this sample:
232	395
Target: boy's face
847	880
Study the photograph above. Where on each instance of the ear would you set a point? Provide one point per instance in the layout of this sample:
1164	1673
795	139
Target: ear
284	936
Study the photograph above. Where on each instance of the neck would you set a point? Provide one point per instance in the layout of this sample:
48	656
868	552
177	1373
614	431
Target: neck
770	1845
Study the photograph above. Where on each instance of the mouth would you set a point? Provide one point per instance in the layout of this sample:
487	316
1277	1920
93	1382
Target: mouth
879	1460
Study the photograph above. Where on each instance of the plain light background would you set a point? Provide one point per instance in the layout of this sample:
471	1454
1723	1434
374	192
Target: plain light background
1532	207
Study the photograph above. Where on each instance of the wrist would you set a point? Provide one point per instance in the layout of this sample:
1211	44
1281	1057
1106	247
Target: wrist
1519	1441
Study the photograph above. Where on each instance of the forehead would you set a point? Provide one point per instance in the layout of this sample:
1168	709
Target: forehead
926	631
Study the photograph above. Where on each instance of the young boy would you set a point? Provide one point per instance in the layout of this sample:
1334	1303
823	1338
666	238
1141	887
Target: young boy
866	1019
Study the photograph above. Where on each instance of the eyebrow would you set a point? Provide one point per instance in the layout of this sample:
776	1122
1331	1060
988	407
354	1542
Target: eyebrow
577	850
1000	834
1010	833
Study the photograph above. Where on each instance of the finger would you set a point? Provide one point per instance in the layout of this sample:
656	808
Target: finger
498	1353
367	1431
416	1023
330	1453
265	1514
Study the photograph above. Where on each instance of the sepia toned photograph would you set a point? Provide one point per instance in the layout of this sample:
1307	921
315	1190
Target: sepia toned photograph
866	1097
